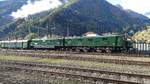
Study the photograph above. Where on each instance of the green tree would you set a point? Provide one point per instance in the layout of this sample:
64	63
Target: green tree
31	36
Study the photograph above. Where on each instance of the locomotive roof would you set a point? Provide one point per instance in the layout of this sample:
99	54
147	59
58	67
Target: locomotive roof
78	37
48	39
59	38
95	36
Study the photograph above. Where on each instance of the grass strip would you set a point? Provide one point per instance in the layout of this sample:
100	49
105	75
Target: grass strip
86	64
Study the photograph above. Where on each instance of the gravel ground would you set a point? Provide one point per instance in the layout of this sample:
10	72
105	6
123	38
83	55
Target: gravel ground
23	77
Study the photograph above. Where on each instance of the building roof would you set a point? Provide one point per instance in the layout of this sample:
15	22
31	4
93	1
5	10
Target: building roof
90	34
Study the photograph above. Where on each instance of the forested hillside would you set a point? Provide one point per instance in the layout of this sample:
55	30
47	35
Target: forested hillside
7	7
78	17
142	36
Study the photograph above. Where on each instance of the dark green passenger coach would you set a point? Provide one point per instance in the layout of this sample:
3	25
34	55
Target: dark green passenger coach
15	44
46	43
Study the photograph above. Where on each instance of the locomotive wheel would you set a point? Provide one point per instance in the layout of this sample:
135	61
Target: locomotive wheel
77	50
108	51
125	51
98	50
73	50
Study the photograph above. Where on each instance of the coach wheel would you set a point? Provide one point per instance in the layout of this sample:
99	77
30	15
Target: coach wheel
85	50
77	50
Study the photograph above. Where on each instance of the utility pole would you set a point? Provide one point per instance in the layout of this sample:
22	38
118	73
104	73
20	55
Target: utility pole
68	30
48	25
53	27
38	32
15	36
39	29
51	31
47	30
29	24
29	29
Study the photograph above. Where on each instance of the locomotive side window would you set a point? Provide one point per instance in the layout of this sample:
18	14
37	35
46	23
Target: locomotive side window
104	39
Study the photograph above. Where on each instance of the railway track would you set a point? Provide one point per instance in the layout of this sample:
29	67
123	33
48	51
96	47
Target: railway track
77	72
83	57
131	54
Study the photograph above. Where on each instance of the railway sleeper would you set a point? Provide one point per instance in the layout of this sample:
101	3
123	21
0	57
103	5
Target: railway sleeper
123	78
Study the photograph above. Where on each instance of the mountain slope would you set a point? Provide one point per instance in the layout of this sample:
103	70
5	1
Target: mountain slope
98	16
136	15
147	14
80	16
132	13
7	7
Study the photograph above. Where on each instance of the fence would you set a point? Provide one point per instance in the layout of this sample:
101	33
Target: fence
142	48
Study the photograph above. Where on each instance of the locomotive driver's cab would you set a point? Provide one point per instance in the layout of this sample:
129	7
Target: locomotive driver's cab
129	45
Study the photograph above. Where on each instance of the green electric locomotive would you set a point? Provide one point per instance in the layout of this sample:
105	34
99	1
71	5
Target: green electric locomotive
100	43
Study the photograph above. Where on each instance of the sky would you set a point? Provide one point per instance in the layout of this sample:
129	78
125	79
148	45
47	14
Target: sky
36	7
140	6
